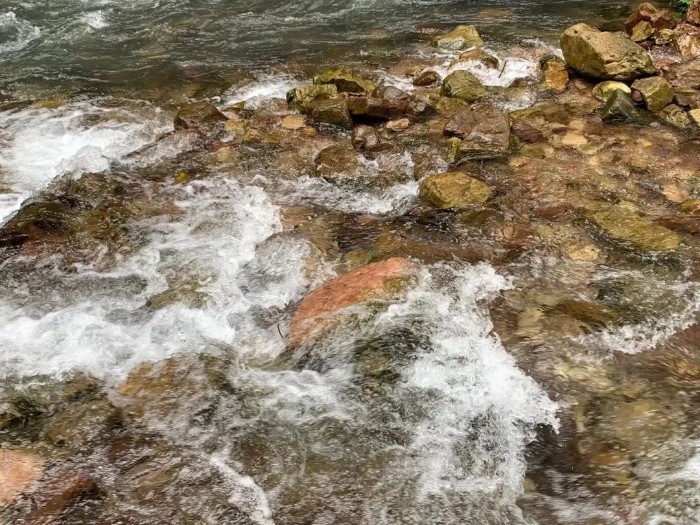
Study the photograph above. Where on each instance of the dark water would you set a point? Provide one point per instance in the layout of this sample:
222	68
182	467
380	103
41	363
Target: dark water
102	45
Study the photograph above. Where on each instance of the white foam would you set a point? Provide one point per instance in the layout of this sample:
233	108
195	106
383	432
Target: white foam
106	332
41	144
15	33
510	69
263	89
95	20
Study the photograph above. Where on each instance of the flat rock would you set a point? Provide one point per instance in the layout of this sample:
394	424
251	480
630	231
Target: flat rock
18	471
454	190
630	230
484	132
333	111
302	97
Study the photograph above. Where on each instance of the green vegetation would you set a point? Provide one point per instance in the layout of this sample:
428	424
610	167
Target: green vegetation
681	5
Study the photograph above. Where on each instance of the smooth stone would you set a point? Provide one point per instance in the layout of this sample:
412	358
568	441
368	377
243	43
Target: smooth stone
620	108
630	230
460	37
293	122
426	78
333	111
603	90
454	190
657	92
18	471
464	86
345	80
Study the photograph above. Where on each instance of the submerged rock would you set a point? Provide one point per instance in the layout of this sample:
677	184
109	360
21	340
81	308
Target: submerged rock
83	425
480	56
484	132
345	81
620	107
18	471
656	92
338	162
459	38
377	281
630	230
426	78
603	90
463	85
300	98
454	190
605	56
201	116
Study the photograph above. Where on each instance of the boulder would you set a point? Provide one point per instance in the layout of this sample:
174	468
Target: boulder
656	92
454	190
365	138
345	80
18	471
694	115
318	310
603	90
426	78
484	133
629	230
656	18
459	38
463	85
333	111
555	76
527	133
603	55
368	109
621	108
685	79
201	116
300	98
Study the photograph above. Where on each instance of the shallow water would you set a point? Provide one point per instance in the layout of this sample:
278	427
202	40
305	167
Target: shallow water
460	402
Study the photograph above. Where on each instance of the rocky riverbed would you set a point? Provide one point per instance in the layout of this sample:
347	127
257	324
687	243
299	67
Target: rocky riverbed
459	289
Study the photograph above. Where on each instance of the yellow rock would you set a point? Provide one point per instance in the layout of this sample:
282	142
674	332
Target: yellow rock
293	122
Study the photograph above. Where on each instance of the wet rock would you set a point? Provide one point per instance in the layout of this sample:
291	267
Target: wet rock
527	133
454	190
621	108
58	496
480	56
202	116
345	80
426	78
368	109
293	122
685	79
656	18
628	229
366	138
464	86
459	38
336	163
300	98
656	92
641	32
555	76
676	117
179	389
694	115
484	132
377	281
603	90
332	111
18	471
82	426
605	56
398	124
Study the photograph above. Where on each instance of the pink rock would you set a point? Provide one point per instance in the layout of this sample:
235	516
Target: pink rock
18	470
373	281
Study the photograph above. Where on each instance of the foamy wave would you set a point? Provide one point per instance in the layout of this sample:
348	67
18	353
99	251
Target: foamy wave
15	33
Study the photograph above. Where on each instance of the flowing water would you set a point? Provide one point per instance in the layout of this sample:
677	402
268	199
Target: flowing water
413	411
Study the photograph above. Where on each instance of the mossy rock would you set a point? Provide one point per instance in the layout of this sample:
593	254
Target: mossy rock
301	97
345	81
459	38
632	231
464	86
657	92
454	190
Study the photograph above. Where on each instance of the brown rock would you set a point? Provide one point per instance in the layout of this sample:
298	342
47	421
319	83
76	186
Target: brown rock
686	39
526	132
555	76
692	15
485	133
478	55
454	190
58	495
398	125
646	12
199	116
366	138
18	471
426	78
375	281
293	122
337	162
332	111
375	109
